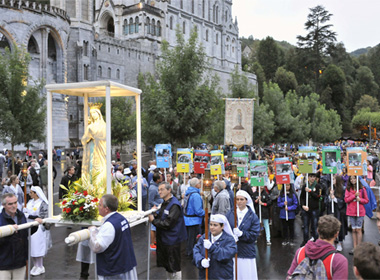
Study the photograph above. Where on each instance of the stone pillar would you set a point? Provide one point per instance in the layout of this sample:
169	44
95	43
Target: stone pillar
44	52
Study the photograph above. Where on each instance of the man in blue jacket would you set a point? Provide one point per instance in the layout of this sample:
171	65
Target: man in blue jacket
13	248
194	213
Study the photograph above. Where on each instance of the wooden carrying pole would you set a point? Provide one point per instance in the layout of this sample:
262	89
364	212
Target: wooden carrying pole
206	235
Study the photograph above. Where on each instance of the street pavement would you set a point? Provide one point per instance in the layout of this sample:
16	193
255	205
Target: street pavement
272	261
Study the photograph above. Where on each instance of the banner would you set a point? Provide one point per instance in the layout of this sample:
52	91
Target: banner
201	161
283	170
163	155
238	129
184	160
259	172
307	162
331	160
356	161
241	159
217	162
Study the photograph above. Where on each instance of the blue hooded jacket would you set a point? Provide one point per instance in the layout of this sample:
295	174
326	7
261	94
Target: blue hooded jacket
194	207
371	205
292	206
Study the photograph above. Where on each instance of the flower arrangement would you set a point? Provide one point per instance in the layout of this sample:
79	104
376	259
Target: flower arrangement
79	206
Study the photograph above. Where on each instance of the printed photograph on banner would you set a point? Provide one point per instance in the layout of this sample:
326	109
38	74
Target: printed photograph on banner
217	162
201	161
238	130
184	160
259	172
163	155
356	162
284	169
241	160
331	160
307	162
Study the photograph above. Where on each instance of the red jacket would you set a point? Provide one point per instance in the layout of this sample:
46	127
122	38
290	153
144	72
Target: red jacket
349	198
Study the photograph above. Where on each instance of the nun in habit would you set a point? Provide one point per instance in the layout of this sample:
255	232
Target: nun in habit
221	246
246	232
37	207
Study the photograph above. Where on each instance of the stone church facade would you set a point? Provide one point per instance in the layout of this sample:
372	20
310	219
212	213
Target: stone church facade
88	40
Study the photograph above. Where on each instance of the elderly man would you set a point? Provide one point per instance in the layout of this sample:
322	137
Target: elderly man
112	243
171	231
194	213
221	204
14	248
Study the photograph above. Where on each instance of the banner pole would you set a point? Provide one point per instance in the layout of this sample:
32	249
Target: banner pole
332	187
260	203
357	190
307	186
286	200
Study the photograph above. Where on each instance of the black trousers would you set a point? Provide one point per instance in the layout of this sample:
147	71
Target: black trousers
192	232
288	228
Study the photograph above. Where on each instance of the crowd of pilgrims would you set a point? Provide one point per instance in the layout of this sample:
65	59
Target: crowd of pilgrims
263	210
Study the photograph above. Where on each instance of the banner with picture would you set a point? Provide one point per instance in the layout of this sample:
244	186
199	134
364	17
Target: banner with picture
238	129
307	162
184	160
164	155
241	160
259	172
217	162
331	160
201	161
356	161
283	169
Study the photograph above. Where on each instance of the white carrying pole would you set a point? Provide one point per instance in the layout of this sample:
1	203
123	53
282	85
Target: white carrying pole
184	179
357	190
202	183
165	174
148	269
239	180
49	104
108	139
332	188
307	186
138	151
286	200
260	203
29	250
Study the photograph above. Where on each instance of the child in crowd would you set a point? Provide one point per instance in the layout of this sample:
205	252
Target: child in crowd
288	203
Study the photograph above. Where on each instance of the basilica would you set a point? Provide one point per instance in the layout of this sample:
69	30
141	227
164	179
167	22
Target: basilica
88	40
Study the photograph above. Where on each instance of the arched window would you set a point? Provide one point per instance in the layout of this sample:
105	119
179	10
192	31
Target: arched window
203	8
147	25
126	27
208	9
171	23
206	35
184	27
153	29
192	6
118	74
137	24
100	71
181	4
131	26
85	72
217	39
233	45
158	28
213	13
109	72
226	16
217	14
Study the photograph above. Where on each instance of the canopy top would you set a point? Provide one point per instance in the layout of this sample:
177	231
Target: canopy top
93	89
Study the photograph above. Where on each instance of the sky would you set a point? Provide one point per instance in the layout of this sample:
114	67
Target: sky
356	22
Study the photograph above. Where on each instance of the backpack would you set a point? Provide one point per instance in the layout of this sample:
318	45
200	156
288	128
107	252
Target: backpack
185	204
313	269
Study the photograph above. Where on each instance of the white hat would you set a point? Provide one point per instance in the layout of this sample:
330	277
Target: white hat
40	193
219	218
152	167
248	197
127	171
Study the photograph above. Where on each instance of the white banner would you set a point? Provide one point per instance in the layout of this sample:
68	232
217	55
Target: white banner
238	130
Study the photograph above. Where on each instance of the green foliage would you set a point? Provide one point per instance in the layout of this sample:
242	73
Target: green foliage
260	76
286	80
264	126
363	117
367	101
240	86
326	125
269	57
22	108
123	119
365	83
177	102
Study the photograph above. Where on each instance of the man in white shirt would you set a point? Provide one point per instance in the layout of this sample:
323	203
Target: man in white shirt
112	243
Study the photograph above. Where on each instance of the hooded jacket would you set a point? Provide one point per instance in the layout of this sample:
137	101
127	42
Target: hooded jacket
194	207
316	250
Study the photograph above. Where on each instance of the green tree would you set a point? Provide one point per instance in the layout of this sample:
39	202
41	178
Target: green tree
286	80
362	118
240	86
264	126
268	55
317	41
365	83
22	108
123	120
367	101
177	101
260	76
326	125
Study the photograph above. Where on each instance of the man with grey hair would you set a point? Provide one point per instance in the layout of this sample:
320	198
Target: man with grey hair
171	231
194	213
221	204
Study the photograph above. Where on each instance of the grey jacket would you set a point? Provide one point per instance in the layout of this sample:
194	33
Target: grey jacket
221	204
